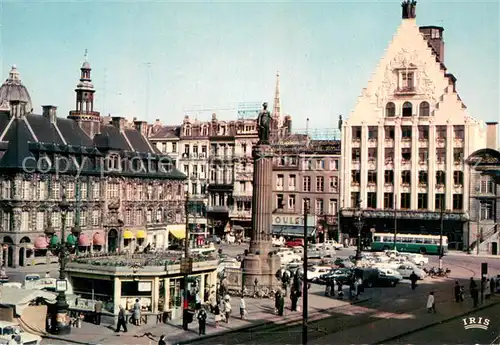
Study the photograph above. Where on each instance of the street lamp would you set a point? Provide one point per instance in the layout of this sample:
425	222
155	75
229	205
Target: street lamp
186	267
359	223
60	320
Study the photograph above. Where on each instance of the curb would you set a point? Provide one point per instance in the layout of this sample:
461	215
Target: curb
422	328
65	340
260	324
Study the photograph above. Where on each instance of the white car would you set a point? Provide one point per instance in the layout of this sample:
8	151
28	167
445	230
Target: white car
418	259
334	244
288	257
315	272
407	269
7	329
391	272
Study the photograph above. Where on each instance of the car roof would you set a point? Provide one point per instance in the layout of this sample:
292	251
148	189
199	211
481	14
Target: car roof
8	324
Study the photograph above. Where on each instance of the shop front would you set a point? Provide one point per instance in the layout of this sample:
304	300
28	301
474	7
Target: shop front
292	226
176	234
157	283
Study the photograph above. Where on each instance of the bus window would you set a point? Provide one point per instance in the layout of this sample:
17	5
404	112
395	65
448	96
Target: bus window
376	238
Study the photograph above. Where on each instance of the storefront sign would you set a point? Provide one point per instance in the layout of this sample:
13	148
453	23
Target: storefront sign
287	219
144	286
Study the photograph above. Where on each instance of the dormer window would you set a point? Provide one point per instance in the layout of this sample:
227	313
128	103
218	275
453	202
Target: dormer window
114	162
187	131
408	81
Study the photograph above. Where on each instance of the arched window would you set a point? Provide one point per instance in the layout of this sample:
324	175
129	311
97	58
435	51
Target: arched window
407	109
390	110
424	109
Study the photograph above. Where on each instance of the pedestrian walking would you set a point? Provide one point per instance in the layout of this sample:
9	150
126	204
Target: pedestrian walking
474	292
162	340
227	309
413	280
431	303
281	305
213	301
277	297
97	312
456	291
487	289
243	308
217	315
462	293
492	286
137	312
122	320
202	321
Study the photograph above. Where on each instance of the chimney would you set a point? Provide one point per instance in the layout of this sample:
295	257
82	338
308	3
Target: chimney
452	81
409	8
118	122
434	37
491	135
50	112
142	126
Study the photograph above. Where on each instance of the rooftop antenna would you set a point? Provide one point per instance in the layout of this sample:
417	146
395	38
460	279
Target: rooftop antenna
86	55
148	80
104	89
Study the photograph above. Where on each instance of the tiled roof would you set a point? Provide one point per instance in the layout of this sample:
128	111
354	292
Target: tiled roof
34	135
166	132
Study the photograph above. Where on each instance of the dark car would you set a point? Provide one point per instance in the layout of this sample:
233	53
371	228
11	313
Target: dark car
338	274
343	263
373	277
213	239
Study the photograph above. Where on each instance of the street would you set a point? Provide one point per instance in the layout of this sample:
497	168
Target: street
453	332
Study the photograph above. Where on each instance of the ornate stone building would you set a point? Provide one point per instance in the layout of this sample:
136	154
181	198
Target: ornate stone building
306	172
123	192
403	146
483	235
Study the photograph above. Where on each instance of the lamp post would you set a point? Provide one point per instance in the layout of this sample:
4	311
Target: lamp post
305	297
60	323
186	267
359	223
441	229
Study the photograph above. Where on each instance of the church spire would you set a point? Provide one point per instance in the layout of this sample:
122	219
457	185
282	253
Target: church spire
277	104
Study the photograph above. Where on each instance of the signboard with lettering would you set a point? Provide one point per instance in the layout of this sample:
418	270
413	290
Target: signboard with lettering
292	220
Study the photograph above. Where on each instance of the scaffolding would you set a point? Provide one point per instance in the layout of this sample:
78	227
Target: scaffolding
248	110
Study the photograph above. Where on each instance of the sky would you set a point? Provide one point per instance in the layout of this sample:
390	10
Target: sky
157	59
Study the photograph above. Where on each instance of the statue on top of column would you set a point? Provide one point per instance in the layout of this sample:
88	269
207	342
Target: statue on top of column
264	124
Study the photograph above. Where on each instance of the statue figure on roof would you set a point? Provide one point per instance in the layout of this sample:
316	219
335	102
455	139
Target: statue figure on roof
264	123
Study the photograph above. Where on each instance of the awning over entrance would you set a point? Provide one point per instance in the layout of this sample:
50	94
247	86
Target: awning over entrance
297	231
140	234
128	235
178	231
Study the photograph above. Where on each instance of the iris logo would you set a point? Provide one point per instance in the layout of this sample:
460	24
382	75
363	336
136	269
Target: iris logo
476	323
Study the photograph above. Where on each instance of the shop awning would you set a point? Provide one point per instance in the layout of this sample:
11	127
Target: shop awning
41	243
98	239
178	233
296	231
83	241
128	235
140	234
71	239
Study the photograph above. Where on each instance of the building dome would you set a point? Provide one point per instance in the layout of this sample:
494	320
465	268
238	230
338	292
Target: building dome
14	90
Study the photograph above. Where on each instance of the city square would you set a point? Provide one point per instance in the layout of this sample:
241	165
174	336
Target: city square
128	215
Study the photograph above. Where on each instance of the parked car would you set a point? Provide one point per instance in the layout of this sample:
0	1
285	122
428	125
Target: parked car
7	329
288	257
374	277
296	242
333	244
213	239
343	263
407	269
417	258
339	274
278	241
314	272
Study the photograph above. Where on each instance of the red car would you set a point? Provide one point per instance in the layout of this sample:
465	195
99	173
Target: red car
296	242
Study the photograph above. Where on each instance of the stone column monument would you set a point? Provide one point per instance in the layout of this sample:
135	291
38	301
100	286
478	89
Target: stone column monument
260	266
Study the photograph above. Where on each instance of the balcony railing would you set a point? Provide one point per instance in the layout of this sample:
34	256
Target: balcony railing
406	90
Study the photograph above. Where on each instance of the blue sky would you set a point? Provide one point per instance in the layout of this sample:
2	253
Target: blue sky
218	54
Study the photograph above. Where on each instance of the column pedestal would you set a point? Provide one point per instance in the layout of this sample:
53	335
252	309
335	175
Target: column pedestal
260	264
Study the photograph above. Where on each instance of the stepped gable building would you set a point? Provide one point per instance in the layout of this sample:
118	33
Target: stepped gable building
123	192
404	144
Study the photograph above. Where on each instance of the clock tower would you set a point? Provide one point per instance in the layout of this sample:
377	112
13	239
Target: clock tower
84	114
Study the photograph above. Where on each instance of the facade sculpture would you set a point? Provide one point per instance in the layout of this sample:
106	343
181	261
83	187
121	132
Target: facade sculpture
264	122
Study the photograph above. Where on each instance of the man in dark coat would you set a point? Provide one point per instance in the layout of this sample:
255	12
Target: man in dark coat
97	312
456	292
413	279
122	321
202	321
281	305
